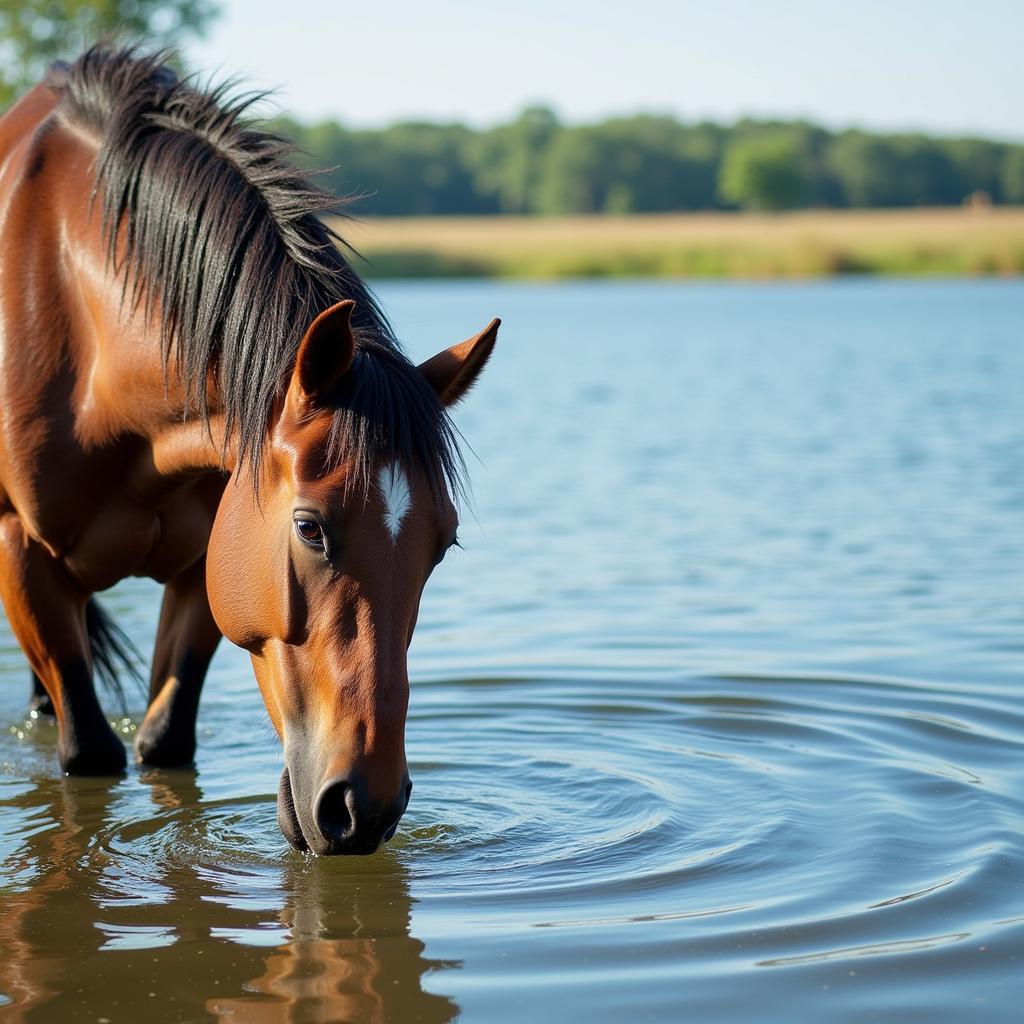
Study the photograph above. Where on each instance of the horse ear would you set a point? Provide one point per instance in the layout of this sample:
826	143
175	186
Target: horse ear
454	371
325	353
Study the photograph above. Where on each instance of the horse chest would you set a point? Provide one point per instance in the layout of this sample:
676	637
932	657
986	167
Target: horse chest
111	544
157	535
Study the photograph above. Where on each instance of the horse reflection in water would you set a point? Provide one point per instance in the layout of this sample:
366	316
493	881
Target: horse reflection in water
321	976
198	388
85	932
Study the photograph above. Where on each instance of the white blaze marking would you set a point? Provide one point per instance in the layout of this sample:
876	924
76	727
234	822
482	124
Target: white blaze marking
397	500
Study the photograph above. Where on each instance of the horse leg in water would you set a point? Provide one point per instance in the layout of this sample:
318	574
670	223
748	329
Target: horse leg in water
186	639
40	701
47	614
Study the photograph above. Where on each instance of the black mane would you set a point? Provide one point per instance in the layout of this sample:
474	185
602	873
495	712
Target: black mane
223	242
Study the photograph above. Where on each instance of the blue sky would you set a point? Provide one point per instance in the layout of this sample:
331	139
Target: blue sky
947	67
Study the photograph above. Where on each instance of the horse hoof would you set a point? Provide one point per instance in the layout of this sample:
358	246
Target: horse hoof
155	749
108	759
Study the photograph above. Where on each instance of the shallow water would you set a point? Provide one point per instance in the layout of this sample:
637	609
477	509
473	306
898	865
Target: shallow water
718	716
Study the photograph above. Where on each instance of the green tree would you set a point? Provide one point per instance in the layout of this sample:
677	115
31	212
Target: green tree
35	32
976	164
574	173
628	165
763	172
412	168
867	168
1011	175
508	161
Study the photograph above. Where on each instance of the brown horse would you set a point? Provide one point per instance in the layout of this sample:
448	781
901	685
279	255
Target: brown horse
195	386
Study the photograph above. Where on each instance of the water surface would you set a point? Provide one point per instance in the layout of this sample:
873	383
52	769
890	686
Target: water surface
718	716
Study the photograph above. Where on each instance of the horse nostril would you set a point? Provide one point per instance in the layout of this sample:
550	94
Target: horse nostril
336	811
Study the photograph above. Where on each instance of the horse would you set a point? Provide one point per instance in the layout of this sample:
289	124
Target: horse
197	387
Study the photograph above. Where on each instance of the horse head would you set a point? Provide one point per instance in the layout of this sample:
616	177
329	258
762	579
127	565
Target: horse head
316	565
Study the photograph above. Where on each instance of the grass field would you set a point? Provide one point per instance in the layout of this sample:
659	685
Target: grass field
948	241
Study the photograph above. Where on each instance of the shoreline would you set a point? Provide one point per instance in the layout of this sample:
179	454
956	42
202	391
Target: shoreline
924	242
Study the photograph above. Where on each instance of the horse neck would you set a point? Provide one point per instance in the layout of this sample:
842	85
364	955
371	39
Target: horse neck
131	388
118	348
120	383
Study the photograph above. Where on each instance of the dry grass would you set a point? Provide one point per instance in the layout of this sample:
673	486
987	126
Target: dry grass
803	244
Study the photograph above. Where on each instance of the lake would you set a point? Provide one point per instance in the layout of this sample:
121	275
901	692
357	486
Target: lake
718	716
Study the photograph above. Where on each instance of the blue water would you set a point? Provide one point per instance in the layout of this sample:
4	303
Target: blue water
718	716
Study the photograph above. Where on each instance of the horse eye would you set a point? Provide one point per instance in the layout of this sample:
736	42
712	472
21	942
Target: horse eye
310	532
454	544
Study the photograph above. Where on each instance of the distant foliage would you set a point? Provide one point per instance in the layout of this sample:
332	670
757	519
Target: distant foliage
536	165
764	172
33	33
508	165
1011	176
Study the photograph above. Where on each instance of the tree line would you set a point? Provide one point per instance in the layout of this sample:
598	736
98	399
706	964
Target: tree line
537	165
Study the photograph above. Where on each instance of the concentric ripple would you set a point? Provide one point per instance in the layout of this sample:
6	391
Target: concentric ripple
796	810
821	825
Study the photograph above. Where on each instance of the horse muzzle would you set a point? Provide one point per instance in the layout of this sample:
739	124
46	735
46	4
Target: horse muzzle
341	818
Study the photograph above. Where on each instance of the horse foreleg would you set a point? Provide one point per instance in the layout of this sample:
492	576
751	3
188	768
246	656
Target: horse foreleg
186	640
47	615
